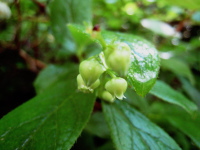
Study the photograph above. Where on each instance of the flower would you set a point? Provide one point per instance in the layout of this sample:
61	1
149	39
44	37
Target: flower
105	95
84	88
90	71
117	87
118	57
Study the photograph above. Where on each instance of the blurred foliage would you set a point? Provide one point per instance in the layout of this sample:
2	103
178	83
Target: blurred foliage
36	34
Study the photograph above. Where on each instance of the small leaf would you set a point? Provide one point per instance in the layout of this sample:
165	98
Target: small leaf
168	94
83	38
130	130
52	120
79	34
144	68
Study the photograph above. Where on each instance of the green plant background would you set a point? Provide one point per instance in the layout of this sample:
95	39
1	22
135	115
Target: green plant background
160	114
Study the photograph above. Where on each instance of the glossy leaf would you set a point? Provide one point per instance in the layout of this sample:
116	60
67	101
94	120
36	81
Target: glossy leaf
130	130
166	93
52	120
145	63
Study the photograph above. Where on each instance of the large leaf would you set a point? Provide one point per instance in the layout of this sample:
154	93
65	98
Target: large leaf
180	119
130	130
52	120
145	63
97	125
186	124
68	11
49	76
168	94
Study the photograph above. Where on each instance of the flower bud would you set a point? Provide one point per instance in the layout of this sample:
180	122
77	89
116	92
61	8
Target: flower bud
95	84
90	71
84	88
80	82
117	87
118	57
105	95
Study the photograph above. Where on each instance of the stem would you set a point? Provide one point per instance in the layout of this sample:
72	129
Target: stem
102	41
79	53
110	73
18	25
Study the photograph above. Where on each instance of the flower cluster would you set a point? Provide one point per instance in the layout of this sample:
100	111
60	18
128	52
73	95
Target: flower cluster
105	73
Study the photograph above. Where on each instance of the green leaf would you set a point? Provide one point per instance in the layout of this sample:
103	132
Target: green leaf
85	42
166	93
190	90
187	125
49	76
181	120
97	125
68	11
130	130
144	68
139	102
189	4
178	67
80	35
52	120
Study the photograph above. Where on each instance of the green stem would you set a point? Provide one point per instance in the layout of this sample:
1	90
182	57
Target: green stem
110	73
102	41
79	53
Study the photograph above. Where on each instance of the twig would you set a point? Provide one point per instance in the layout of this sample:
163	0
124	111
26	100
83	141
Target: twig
34	65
